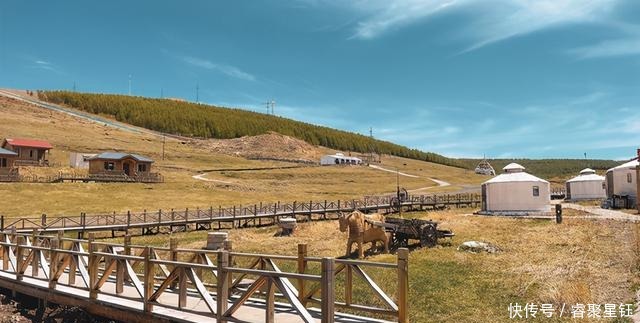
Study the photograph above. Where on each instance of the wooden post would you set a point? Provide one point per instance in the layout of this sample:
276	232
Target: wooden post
228	246
222	285
5	252
53	263
173	245
43	220
270	302
128	220
1	222
19	257
328	279
403	285
182	288
35	267
148	279
302	268
348	285
94	263
73	264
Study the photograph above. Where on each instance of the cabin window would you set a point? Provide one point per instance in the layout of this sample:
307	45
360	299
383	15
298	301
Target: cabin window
3	162
142	167
536	191
109	166
629	178
604	186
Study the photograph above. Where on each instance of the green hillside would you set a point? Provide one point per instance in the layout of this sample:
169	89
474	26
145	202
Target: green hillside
548	168
206	121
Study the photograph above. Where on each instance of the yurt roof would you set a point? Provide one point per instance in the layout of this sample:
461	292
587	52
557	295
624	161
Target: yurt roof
587	171
515	177
586	178
512	167
631	164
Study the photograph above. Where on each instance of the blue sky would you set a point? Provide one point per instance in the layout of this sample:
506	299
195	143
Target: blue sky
505	78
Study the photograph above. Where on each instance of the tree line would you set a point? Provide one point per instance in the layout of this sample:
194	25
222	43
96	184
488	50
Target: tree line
206	121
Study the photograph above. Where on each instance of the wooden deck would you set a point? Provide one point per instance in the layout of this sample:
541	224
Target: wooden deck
141	284
235	216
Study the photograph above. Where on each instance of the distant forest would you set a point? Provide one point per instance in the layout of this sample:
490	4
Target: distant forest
548	168
206	121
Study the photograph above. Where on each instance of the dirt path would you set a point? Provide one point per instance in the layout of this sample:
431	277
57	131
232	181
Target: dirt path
600	213
437	181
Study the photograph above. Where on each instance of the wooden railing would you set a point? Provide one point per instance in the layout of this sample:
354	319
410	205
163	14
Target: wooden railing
223	280
247	214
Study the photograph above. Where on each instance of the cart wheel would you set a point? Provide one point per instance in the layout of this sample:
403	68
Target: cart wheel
428	236
399	240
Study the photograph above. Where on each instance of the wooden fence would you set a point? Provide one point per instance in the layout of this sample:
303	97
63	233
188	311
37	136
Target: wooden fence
237	216
190	285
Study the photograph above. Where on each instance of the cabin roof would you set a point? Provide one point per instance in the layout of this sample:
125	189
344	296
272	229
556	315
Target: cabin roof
7	152
32	143
120	156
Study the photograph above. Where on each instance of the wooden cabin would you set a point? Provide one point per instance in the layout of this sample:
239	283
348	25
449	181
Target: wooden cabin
30	152
112	163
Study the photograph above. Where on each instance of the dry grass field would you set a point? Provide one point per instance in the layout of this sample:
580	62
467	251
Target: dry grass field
183	159
579	261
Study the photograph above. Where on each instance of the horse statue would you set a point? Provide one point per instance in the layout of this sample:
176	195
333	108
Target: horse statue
362	231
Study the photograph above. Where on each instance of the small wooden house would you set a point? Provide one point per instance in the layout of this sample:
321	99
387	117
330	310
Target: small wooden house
30	152
112	163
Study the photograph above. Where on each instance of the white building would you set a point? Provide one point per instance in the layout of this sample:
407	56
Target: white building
339	159
515	192
621	181
586	186
80	160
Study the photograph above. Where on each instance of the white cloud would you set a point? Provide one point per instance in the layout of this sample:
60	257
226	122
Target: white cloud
609	48
228	70
489	21
45	65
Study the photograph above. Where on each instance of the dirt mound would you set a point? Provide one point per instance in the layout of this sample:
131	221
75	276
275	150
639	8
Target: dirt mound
272	146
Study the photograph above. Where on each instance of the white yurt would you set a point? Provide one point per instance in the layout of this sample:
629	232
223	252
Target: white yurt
621	181
515	192
586	186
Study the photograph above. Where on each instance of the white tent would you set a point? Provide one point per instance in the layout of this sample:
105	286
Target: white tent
586	186
339	159
515	192
621	181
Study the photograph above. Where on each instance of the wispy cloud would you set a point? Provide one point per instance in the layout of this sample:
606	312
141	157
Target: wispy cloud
228	70
44	65
488	21
609	48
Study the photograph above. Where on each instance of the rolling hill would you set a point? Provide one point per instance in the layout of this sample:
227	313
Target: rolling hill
206	121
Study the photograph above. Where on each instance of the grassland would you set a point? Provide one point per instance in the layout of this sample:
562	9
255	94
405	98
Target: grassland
579	261
183	159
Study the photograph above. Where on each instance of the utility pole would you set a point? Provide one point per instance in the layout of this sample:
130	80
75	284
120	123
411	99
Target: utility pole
273	105
129	84
74	86
197	92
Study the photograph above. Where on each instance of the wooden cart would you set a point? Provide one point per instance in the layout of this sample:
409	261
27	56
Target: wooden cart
426	231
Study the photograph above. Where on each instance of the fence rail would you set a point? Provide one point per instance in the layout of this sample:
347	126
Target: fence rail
237	215
191	284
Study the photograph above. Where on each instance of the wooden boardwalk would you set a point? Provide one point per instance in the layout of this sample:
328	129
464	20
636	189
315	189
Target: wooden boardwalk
235	216
142	284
